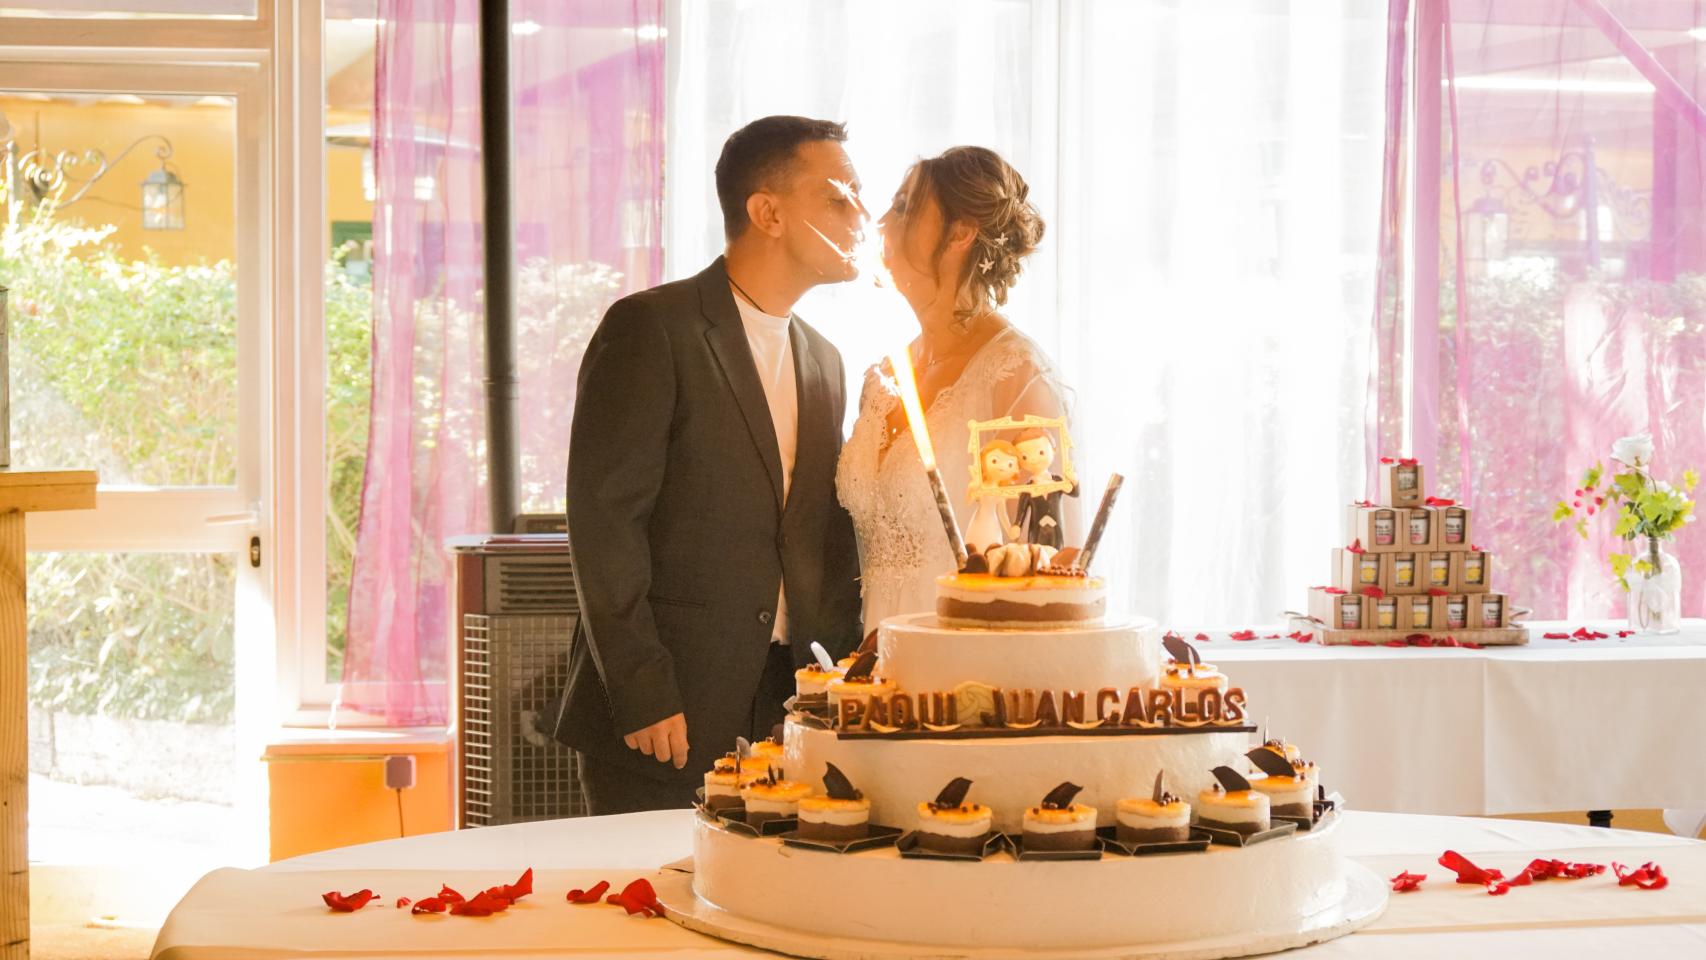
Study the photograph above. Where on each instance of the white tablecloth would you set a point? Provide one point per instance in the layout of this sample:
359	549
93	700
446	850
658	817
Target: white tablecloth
275	912
1554	725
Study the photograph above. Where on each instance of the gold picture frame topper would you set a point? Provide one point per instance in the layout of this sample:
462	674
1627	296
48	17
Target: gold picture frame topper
1056	426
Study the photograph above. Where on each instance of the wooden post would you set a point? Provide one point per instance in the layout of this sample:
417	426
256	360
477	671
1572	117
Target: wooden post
20	493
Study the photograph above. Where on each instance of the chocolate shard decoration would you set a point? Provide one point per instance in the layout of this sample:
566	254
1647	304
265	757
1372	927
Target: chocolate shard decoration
869	643
836	784
1160	789
954	793
1231	780
1271	763
1061	797
1181	651
822	656
861	669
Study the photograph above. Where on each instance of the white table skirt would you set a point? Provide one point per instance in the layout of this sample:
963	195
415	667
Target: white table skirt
1554	725
274	912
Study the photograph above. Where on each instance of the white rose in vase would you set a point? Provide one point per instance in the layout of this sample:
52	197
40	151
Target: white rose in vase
1635	451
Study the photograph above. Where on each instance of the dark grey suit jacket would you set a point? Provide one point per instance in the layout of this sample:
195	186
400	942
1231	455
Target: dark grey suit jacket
676	523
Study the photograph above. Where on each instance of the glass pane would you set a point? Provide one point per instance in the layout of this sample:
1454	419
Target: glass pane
348	62
134	9
131	685
117	326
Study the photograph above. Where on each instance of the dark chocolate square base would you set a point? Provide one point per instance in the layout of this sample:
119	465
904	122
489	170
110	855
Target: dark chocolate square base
722	802
757	818
1133	835
832	832
946	844
1247	829
1084	839
1304	810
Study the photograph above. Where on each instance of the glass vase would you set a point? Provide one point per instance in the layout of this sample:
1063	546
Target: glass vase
1655	597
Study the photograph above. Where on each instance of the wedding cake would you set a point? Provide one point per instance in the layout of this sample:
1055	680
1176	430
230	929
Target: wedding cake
1017	774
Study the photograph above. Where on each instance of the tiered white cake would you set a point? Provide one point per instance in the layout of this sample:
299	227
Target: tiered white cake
1225	900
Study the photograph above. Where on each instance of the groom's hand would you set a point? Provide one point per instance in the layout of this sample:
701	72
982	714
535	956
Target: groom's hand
665	740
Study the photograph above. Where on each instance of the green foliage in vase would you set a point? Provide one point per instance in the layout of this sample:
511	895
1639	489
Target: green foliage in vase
1645	508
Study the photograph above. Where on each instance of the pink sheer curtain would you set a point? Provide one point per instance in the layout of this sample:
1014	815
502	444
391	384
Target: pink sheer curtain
1559	272
587	80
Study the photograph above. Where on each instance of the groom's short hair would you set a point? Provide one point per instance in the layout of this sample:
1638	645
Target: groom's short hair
756	154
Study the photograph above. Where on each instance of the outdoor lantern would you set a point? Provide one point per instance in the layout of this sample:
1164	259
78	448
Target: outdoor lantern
162	201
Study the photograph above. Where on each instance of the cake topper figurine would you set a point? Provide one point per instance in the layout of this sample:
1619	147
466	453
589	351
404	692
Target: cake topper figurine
1271	763
1230	780
1038	517
997	469
860	671
985	432
1060	798
836	784
952	795
822	657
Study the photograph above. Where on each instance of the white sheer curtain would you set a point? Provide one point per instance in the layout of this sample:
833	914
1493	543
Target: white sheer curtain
1210	175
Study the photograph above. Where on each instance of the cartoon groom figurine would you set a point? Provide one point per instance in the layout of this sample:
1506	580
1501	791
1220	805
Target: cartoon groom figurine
1039	516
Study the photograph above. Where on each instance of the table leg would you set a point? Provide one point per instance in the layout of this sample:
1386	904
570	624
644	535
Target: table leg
14	745
1599	818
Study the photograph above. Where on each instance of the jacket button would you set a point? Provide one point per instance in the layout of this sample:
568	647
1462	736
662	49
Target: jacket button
763	616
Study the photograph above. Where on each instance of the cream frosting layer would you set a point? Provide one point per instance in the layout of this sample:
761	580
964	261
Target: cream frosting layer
1143	813
839	816
1008	775
1034	596
1013	906
920	655
1241	806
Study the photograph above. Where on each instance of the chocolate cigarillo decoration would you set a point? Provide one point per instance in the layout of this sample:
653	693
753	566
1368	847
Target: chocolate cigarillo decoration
1100	526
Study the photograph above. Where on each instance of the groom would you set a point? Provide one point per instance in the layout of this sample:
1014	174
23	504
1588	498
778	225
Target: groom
709	547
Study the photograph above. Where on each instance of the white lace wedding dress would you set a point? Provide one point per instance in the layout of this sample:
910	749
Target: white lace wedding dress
902	547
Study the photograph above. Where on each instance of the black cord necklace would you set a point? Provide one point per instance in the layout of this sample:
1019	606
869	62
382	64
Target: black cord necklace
742	291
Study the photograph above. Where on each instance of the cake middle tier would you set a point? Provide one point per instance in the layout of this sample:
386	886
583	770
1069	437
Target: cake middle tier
920	656
1009	775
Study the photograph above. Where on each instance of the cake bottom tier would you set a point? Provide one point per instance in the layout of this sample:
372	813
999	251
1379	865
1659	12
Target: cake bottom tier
1289	886
1009	775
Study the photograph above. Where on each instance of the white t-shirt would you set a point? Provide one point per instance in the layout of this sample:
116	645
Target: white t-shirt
773	354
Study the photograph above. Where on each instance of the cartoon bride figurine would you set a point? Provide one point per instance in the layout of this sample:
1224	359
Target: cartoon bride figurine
999	460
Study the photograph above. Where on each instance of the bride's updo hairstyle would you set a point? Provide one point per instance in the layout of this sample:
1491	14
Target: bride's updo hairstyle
973	185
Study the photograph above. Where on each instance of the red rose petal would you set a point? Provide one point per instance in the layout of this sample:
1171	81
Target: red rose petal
1302	637
450	896
482	904
1335	591
1466	870
1243	635
1447	642
1437	591
1420	640
1625	633
403	902
1648	876
639	897
1472	645
1395	643
1271	636
429	905
1355	547
1203	638
592	894
1374	592
1556	636
1408	882
1439	502
1475	548
347	903
1387	460
1360	642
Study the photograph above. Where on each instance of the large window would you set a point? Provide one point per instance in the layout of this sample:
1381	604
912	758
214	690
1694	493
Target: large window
1210	176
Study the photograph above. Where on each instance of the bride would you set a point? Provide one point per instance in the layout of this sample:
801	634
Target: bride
955	240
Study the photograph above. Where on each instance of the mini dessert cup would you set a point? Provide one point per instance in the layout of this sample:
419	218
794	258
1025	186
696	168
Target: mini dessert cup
1240	811
960	829
833	820
1292	796
722	789
1071	827
1142	820
772	799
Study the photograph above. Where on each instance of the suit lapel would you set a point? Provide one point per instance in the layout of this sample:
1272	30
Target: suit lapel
727	339
813	403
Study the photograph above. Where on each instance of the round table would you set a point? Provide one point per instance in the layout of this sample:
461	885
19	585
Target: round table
1558	724
276	912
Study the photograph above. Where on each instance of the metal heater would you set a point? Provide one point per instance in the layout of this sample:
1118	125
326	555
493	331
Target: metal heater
517	609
